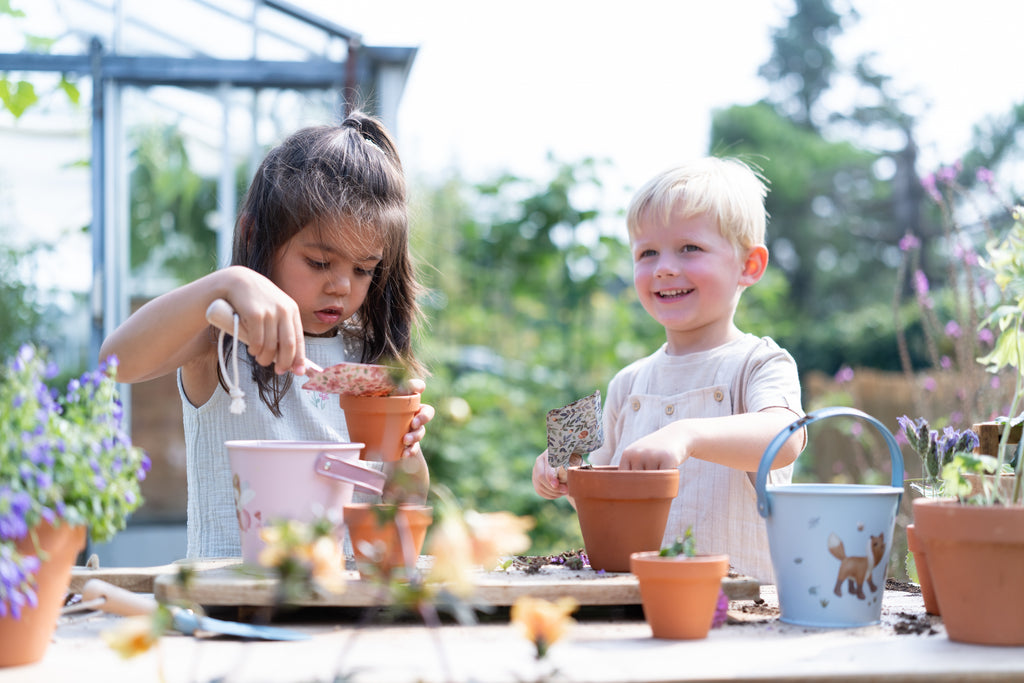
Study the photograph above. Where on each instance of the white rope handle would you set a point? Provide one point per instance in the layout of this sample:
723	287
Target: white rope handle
237	395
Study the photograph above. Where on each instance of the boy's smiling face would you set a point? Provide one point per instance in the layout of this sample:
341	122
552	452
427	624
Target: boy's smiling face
689	277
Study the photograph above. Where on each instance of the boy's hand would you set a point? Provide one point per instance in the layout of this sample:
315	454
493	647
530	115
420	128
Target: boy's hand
653	452
417	428
545	479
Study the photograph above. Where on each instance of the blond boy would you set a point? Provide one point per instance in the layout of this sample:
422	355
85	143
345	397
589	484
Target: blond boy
712	397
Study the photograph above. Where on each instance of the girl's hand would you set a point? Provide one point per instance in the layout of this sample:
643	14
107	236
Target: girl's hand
417	428
545	479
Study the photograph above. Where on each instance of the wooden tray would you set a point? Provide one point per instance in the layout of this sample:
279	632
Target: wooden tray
232	584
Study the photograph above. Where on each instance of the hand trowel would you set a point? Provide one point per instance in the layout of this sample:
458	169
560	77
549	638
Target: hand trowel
114	600
574	431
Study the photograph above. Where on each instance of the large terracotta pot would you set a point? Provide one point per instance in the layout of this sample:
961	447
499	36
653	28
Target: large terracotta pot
621	512
379	422
975	556
394	534
679	594
924	575
24	640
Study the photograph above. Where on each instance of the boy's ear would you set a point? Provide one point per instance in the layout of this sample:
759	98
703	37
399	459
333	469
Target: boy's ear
754	265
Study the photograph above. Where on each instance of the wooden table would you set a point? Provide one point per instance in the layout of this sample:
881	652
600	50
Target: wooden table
607	645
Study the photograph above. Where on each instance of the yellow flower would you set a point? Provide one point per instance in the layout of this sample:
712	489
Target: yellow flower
543	622
132	636
494	534
328	561
460	544
452	551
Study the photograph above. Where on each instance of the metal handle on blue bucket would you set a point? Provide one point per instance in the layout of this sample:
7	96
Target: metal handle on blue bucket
895	454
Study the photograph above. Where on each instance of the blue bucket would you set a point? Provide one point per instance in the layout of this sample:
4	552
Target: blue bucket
830	543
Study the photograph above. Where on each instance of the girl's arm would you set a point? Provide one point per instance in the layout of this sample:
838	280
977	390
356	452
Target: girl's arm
736	441
171	331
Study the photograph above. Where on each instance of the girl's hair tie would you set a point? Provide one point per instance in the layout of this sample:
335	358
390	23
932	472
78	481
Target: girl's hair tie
237	395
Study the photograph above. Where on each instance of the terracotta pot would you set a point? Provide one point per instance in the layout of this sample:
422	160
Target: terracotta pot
24	640
975	556
380	422
393	535
924	576
679	594
621	512
1005	483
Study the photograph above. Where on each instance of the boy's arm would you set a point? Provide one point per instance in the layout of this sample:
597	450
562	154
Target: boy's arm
736	441
172	331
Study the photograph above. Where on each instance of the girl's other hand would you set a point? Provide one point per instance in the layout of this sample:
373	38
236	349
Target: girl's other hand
545	479
417	428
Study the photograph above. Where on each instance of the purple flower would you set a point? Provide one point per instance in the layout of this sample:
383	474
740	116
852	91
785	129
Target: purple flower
928	384
844	375
985	336
946	362
721	610
909	241
922	288
953	329
928	183
947	174
986	176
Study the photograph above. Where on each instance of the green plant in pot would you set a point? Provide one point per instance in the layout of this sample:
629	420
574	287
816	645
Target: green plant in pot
980	536
936	450
66	465
680	589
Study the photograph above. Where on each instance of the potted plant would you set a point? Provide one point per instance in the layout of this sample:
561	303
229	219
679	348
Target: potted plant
680	590
975	542
380	419
936	451
65	465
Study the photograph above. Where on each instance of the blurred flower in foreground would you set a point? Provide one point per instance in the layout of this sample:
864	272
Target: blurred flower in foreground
461	544
542	622
134	635
304	555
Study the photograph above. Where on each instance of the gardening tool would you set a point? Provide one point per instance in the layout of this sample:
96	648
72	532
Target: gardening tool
114	600
830	543
574	431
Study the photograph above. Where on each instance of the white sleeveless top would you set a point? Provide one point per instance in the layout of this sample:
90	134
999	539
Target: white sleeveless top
720	503
305	416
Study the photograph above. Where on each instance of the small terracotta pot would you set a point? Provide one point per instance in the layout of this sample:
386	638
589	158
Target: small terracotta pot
924	576
394	535
975	555
379	422
621	511
24	640
679	594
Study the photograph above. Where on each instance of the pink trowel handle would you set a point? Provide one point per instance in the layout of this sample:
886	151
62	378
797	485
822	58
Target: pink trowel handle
220	314
363	478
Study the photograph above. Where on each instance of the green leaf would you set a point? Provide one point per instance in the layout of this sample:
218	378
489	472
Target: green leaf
5	8
70	89
19	98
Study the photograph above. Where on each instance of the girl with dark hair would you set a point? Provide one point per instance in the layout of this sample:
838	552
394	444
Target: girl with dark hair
321	271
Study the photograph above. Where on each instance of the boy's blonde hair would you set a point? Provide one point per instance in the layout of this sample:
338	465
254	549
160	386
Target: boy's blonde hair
727	189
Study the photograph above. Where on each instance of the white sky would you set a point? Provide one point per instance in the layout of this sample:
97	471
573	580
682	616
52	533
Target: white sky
497	86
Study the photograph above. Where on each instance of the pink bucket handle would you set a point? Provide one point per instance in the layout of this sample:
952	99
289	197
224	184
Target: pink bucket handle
363	478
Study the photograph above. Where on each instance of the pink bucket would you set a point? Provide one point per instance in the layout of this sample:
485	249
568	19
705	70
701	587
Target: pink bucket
296	480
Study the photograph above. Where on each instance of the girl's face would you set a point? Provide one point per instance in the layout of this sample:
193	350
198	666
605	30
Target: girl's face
689	278
327	273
